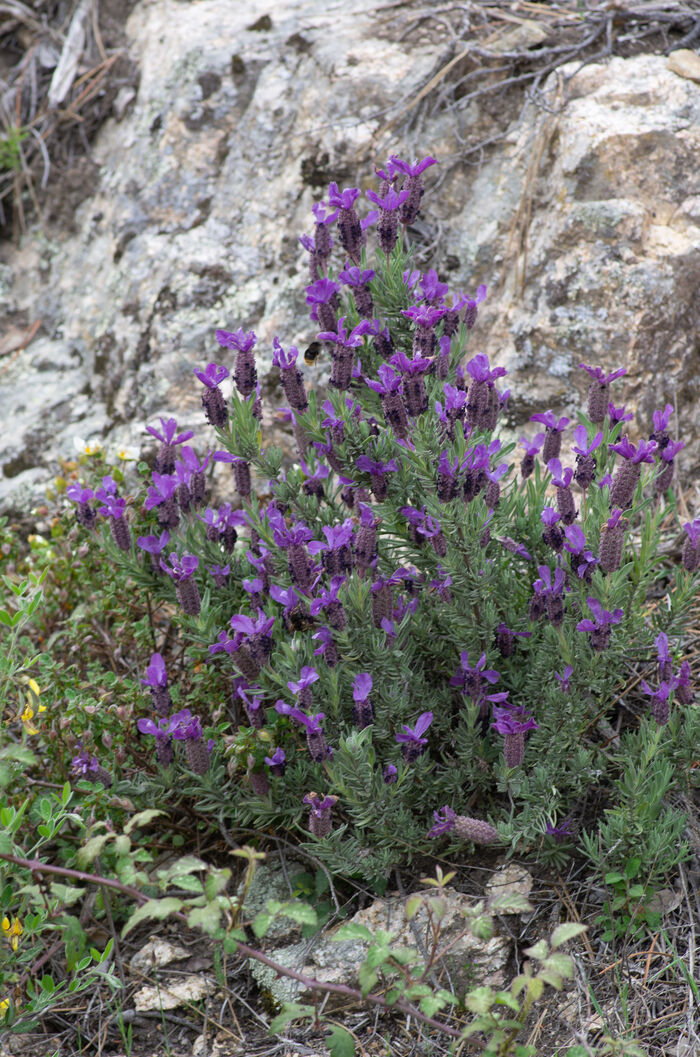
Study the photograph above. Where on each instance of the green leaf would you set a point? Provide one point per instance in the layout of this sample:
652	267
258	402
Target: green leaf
539	951
352	931
206	918
142	818
154	908
262	922
432	1004
367	977
216	881
548	975
413	906
230	941
190	884
302	913
632	868
480	999
613	878
340	1042
67	894
577	1051
187	864
290	1011
122	844
510	903
561	963
568	931
90	850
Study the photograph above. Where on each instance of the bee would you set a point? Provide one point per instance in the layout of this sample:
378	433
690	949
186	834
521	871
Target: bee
299	619
312	352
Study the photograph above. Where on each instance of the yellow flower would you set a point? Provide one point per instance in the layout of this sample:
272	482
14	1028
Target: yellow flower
4	1006
12	931
27	717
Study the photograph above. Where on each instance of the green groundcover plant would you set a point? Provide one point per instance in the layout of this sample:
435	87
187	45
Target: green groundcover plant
415	634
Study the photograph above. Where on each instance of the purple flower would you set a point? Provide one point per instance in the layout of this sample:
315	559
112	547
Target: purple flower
662	418
168	433
154	545
327	647
560	478
660	704
356	276
564	678
600	376
389	381
180	569
391	200
582	447
156	674
600	628
444	821
550	420
341	337
344	199
413	184
88	767
302	688
397	165
238	339
548	596
163	732
277	762
315	738
664	658
643	453
619	414
471	679
690	555
412	742
582	560
479	369
532	449
513	724
473	829
164	487
78	493
561	833
320	813
212	375
363	712
390	774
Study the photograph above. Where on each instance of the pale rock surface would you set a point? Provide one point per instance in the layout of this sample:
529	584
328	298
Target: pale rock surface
611	270
470	962
209	178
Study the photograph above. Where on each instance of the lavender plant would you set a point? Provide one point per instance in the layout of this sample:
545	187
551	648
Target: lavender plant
388	613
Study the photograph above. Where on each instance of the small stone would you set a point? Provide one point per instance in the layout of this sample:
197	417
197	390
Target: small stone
157	953
170	995
685	63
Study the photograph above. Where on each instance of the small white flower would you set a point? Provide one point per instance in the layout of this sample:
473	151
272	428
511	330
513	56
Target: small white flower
127	453
87	447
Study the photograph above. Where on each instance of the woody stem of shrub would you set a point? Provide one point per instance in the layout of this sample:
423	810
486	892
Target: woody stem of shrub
35	866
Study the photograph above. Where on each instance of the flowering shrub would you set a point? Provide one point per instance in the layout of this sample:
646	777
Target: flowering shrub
413	624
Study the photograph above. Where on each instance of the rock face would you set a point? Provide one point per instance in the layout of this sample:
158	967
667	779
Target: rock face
585	225
469	961
607	270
